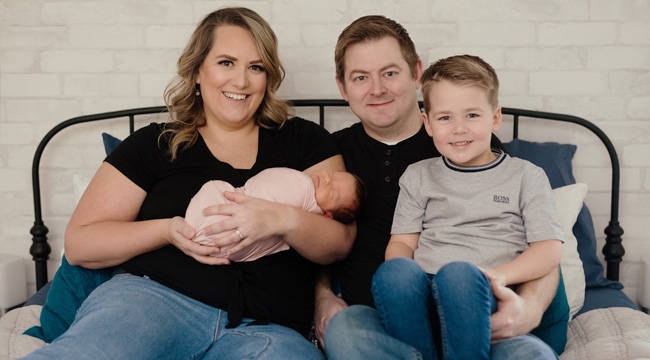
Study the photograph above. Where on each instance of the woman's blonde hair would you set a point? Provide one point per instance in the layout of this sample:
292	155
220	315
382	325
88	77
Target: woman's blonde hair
186	108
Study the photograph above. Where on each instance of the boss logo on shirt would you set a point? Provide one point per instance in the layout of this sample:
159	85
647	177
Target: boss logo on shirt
501	199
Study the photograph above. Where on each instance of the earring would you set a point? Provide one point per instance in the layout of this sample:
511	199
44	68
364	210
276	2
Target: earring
198	92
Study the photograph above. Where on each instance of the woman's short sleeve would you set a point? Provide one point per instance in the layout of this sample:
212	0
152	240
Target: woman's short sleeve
139	157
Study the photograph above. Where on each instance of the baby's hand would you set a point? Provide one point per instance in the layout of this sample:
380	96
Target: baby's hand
494	276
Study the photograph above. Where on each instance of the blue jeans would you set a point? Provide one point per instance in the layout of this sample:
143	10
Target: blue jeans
130	317
357	333
457	302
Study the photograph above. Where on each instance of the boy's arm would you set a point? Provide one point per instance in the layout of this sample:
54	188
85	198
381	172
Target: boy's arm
539	259
519	313
402	245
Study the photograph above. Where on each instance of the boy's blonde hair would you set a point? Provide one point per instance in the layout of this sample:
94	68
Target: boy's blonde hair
462	70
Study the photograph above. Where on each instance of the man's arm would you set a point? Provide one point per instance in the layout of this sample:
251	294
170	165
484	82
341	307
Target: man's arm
519	313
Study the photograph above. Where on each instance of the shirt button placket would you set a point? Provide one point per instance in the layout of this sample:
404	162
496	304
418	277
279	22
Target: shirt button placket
388	169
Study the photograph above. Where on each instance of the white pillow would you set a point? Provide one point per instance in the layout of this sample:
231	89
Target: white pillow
80	183
568	201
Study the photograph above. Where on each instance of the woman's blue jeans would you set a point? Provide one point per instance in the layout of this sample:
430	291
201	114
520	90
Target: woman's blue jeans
130	317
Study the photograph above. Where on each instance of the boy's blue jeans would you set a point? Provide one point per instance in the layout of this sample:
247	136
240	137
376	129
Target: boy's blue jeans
411	321
130	317
457	301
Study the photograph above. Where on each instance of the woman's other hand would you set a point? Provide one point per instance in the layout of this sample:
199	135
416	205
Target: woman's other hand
181	235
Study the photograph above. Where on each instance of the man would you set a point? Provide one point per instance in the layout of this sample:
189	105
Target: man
378	72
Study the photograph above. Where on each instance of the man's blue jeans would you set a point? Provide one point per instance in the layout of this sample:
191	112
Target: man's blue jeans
130	317
404	306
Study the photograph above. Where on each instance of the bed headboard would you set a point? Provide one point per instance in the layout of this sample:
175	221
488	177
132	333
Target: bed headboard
40	249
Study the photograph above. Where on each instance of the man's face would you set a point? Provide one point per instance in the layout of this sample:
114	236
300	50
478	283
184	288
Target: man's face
379	85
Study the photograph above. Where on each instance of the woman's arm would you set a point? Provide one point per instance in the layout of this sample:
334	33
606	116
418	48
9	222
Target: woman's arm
316	237
103	232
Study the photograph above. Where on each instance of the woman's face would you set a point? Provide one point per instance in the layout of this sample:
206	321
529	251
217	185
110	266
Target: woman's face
231	78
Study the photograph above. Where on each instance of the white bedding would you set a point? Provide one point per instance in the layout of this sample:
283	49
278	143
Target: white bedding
608	334
603	334
13	344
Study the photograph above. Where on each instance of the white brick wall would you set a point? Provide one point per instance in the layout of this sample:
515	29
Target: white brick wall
60	59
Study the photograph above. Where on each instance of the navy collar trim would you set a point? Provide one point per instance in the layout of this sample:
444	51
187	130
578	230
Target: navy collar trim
501	155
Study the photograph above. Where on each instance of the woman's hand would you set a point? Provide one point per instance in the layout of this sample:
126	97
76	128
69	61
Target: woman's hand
253	218
180	235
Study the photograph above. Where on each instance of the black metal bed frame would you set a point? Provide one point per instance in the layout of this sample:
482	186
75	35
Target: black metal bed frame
40	249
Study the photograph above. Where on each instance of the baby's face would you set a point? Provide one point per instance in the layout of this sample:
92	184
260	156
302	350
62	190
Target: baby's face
334	189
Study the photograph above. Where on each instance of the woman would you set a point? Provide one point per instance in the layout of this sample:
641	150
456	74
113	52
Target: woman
174	300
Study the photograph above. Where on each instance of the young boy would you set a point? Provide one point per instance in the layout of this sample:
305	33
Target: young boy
472	216
335	194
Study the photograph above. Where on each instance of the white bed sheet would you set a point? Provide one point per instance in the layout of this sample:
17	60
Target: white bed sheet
608	334
13	344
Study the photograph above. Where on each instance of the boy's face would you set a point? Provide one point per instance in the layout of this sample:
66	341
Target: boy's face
333	189
461	122
378	83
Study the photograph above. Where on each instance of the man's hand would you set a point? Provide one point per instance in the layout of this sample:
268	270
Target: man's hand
510	318
326	307
519	313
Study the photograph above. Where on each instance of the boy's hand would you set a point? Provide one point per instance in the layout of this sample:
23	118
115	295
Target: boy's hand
494	276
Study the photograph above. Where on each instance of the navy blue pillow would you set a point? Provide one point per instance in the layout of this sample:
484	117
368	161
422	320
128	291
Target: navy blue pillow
555	159
40	297
110	142
600	298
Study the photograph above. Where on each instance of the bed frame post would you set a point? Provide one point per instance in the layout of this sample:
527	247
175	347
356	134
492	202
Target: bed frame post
40	251
613	249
